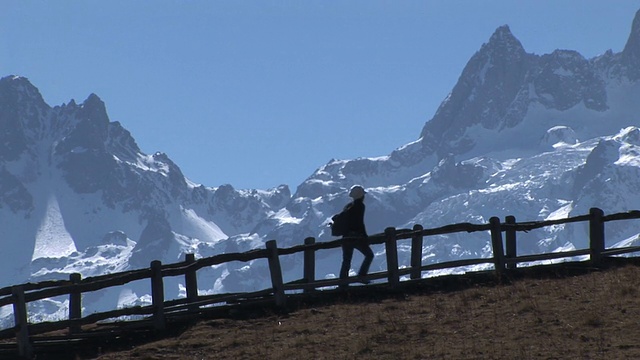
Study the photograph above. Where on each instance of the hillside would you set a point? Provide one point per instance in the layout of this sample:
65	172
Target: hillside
558	314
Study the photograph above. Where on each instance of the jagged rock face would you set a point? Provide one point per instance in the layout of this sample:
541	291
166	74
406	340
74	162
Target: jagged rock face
501	82
484	94
630	58
503	92
565	79
82	154
100	183
512	138
21	109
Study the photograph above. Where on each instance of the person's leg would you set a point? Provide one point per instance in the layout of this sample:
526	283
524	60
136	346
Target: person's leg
347	255
365	249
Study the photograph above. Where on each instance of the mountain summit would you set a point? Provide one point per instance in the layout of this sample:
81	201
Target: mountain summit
70	178
486	94
513	137
631	53
502	84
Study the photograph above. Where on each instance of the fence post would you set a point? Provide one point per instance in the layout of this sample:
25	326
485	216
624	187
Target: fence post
510	241
75	303
276	273
392	256
23	341
191	282
309	263
496	242
157	295
596	235
416	252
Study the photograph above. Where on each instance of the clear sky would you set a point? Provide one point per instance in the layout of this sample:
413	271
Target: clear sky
261	93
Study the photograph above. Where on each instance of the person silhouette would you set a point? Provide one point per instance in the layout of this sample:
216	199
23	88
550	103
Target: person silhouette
356	235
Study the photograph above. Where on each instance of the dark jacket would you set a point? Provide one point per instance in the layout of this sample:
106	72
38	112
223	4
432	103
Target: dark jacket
355	218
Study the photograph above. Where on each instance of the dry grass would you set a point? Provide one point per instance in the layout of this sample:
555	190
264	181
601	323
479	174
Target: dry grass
590	316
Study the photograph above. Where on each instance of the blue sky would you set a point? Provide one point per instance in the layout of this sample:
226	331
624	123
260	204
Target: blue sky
261	93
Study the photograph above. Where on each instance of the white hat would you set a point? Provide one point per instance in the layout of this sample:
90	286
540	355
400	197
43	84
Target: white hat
357	192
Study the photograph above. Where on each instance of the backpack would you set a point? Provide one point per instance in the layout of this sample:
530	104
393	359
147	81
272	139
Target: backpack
339	226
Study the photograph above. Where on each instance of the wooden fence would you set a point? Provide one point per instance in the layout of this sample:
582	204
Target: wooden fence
504	259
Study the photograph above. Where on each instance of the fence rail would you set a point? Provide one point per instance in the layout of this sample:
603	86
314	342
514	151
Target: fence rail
504	258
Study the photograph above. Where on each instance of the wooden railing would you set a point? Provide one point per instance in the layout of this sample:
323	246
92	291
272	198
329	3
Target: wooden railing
504	259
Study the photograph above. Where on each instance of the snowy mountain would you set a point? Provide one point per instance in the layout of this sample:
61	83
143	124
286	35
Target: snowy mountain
77	194
535	136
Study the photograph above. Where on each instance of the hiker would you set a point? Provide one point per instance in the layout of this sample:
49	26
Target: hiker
356	235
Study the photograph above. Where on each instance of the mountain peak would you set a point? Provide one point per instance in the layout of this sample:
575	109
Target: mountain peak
501	32
634	36
93	100
631	52
21	106
502	38
19	89
483	95
94	110
13	80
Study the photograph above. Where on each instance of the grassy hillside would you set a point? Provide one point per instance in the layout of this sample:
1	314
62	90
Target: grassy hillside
544	314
